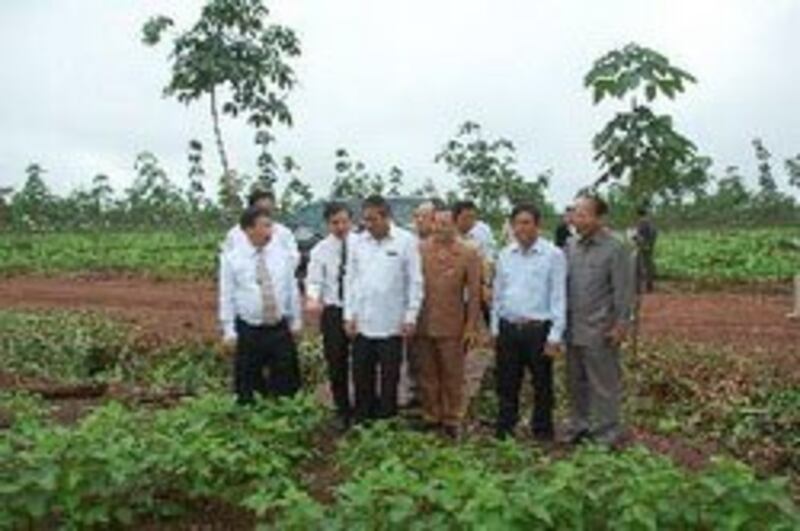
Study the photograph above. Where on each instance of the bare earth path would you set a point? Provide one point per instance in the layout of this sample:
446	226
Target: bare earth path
186	310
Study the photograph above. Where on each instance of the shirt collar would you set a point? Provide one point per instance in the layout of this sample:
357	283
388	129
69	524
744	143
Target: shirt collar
534	249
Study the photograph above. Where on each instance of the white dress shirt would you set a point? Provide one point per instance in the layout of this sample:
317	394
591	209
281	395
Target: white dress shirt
481	233
531	285
240	292
383	284
322	281
281	234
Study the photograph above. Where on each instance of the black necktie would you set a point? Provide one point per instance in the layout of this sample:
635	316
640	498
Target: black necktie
342	268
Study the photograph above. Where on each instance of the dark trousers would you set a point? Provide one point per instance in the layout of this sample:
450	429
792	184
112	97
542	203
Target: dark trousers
645	269
265	347
336	346
376	361
521	346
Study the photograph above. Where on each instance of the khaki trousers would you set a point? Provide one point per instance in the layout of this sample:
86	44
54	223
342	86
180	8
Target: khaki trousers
442	361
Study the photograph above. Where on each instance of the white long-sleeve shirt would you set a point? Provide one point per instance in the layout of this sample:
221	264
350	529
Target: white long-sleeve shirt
236	237
481	233
531	284
322	281
383	284
240	292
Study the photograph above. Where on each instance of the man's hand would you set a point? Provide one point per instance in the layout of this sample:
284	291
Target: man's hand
350	329
552	350
617	334
471	340
409	329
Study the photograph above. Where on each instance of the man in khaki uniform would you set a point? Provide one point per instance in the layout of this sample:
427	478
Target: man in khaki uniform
448	322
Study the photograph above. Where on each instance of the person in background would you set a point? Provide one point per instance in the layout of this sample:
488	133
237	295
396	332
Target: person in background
259	310
528	321
645	238
478	234
564	229
471	228
383	295
448	327
325	295
423	228
265	200
599	296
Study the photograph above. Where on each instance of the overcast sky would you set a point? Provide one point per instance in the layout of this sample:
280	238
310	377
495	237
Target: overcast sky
392	80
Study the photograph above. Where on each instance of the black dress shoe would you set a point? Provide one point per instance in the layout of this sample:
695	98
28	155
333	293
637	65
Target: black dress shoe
543	436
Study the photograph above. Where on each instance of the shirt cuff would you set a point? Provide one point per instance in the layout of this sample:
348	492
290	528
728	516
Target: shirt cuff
297	325
555	337
411	317
229	332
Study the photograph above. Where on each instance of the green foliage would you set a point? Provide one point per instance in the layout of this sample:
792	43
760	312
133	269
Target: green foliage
639	147
354	181
403	480
118	463
727	255
488	174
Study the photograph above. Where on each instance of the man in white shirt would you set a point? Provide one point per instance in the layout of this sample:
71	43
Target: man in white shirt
383	295
471	228
528	321
265	200
259	310
325	290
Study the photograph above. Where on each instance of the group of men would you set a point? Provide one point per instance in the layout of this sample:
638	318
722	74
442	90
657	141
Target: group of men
432	294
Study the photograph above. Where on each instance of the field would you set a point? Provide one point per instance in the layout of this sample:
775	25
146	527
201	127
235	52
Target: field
115	410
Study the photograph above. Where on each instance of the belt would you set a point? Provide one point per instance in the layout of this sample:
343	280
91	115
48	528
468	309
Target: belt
520	324
280	324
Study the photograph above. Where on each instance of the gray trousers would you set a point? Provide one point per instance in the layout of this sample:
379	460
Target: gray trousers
594	383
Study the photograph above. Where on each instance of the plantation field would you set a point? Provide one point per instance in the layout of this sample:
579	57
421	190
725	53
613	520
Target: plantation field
740	255
102	427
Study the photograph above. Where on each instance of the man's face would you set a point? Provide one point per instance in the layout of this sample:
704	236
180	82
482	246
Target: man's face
525	228
423	220
266	204
585	218
444	225
339	224
376	222
466	220
568	217
261	232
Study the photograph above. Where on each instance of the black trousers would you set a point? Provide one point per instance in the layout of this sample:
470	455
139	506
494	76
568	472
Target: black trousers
336	346
521	346
374	361
265	347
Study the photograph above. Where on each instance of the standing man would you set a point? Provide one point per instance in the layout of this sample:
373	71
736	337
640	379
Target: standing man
265	200
528	321
645	238
479	234
448	327
259	309
383	295
599	311
564	229
471	228
325	289
423	228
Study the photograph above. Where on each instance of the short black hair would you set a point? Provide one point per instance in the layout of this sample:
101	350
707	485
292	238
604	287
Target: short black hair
250	216
599	204
377	201
461	206
333	208
259	194
525	208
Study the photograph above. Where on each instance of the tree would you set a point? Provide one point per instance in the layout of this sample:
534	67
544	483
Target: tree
34	204
297	193
234	57
793	169
152	199
354	181
766	181
487	173
638	146
195	193
395	181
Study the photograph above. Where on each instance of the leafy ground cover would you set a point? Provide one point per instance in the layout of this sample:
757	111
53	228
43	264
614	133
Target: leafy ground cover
700	255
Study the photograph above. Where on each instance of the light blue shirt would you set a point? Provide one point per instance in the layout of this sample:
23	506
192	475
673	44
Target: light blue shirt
531	284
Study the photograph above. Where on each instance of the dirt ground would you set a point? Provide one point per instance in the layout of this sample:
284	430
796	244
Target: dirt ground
170	311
